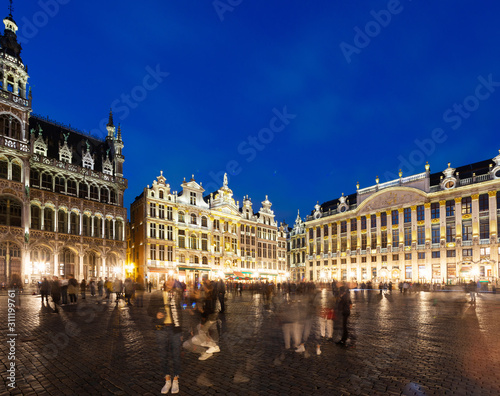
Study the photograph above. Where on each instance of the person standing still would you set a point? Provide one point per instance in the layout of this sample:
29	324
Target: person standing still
45	290
55	292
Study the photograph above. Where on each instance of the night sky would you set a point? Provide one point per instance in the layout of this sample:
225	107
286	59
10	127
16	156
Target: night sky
296	100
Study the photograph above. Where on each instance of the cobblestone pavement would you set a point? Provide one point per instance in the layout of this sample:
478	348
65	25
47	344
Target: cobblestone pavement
418	344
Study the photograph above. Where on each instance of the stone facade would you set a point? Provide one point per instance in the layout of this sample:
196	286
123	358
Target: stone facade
61	190
427	227
190	235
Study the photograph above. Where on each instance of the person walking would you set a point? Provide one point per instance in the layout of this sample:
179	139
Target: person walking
64	291
83	288
45	290
165	310
129	291
221	291
55	293
92	287
100	287
139	291
344	308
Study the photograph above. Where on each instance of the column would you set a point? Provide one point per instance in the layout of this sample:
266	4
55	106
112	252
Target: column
103	220
92	225
458	218
69	221
56	223
114	229
401	228
389	229
493	216
103	266
348	235
414	255
80	225
56	263
442	225
358	233
42	220
80	269
368	234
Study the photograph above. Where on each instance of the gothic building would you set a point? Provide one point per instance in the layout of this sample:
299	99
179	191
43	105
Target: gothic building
440	227
195	236
61	190
297	250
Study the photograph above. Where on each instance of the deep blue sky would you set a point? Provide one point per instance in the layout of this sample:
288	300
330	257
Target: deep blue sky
354	120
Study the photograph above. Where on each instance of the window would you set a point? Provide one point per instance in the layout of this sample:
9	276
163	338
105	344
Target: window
354	242
374	259
4	169
204	242
373	221
204	221
35	217
104	195
192	198
450	233
407	256
83	191
395	238
194	242
435	233
62	223
354	225
152	252
395	217
161	252
436	254
466	205
169	213
94	192
161	211
48	219
161	231
60	185
395	257
363	242
435	210
450	208
193	219
467	252
484	229
408	272
152	209
161	194
182	240
34	177
170	233
180	217
383	219
152	230
451	253
466	231
484	203
407	215
420	213
71	187
16	172
384	239
170	253
334	229
325	229
421	255
373	240
407	236
343	226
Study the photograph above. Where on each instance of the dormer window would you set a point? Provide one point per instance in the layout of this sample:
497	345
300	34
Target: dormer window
88	161
107	167
192	198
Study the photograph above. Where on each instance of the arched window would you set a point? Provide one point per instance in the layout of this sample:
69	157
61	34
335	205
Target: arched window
94	192
108	229
204	221
62	221
48	219
60	185
47	181
35	218
10	126
83	191
10	212
4	168
161	194
194	242
181	217
71	187
34	178
104	195
118	230
204	260
193	219
67	263
112	197
97	227
74	223
86	225
16	172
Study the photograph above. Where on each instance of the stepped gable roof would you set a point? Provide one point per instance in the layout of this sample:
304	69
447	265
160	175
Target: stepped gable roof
332	205
466	171
77	140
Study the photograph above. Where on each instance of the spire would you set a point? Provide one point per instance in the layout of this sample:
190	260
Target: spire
119	137
110	121
8	41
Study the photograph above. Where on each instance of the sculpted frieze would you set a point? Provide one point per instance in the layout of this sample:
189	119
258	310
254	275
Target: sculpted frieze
389	199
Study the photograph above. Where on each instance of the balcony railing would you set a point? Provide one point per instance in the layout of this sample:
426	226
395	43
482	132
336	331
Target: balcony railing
466	243
484	241
11	97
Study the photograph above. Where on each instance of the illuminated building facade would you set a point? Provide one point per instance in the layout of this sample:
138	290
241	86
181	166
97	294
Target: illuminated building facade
61	190
440	227
195	236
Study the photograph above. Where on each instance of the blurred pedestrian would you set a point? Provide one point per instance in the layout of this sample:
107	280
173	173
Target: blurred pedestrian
72	289
83	288
55	292
344	309
64	291
100	287
45	290
129	290
92	287
139	291
165	309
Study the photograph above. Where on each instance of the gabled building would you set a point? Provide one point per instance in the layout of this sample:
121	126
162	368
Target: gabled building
61	190
195	235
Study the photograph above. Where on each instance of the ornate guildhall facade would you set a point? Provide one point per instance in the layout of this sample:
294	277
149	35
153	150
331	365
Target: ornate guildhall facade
61	190
194	236
440	227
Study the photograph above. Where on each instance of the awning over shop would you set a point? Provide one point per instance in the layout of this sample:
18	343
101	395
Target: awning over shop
268	274
239	274
193	269
159	270
465	268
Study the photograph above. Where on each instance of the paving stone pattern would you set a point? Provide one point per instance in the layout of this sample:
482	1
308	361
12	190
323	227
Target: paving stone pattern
416	344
